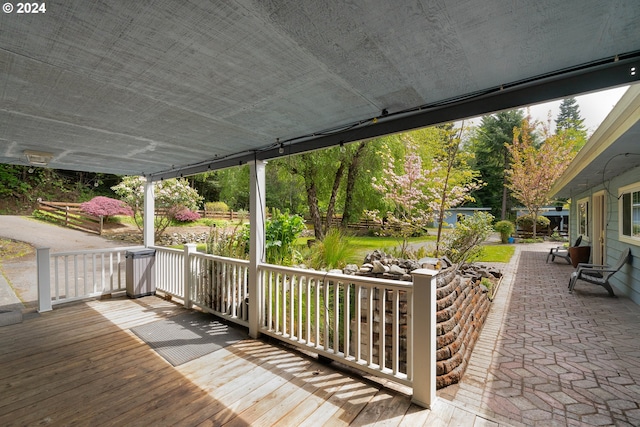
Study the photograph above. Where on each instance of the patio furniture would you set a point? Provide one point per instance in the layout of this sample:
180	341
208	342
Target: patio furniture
598	274
562	252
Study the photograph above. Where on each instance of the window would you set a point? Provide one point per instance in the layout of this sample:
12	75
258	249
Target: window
629	199
583	217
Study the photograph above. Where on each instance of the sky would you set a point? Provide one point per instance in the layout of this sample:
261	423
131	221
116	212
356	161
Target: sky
594	108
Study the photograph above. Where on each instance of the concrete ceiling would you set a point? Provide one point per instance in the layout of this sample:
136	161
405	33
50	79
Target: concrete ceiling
167	87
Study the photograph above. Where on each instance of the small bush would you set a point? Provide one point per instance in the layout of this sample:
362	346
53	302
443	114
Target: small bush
105	207
229	243
216	207
525	222
186	215
505	228
463	243
281	231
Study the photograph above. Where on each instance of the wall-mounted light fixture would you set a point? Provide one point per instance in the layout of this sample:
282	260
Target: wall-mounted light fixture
38	158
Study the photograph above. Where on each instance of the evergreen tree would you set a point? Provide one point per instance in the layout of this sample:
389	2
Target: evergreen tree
492	159
569	116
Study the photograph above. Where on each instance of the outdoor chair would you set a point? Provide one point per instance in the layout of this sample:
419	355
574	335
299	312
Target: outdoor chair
562	252
598	274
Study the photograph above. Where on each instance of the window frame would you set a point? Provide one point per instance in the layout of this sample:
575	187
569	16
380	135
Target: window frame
622	191
583	231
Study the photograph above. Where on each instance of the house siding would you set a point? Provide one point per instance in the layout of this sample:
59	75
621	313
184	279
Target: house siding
627	280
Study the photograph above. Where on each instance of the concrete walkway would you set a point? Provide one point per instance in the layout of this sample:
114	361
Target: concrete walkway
546	357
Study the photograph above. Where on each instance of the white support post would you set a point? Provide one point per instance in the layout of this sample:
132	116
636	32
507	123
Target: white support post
257	207
424	337
44	279
149	213
189	248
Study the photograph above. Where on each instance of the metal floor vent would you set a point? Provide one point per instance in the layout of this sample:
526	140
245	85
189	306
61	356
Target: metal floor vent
186	337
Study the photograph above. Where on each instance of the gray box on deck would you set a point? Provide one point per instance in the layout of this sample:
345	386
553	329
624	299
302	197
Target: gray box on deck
141	277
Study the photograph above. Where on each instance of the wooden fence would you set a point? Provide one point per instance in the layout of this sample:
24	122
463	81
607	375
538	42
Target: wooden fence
70	215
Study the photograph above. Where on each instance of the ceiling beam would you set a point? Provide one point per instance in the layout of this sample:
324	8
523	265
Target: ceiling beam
592	77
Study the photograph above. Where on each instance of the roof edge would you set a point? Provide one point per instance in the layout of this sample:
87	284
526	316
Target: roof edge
621	118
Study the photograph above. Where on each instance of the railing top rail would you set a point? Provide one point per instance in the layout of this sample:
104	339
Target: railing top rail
367	281
221	258
95	251
165	249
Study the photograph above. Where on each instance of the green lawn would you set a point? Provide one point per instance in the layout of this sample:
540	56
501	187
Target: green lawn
496	253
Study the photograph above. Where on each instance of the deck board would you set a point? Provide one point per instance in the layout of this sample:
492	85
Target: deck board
81	365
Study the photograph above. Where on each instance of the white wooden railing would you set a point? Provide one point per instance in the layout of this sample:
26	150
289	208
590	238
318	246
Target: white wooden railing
169	272
358	321
215	284
85	274
371	324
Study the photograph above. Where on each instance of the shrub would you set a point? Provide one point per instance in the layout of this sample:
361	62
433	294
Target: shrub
463	243
505	228
525	222
281	231
229	243
106	207
216	207
186	215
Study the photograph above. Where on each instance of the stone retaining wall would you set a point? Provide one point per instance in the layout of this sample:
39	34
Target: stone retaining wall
462	307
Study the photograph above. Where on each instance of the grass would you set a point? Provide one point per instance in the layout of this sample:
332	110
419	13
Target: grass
496	253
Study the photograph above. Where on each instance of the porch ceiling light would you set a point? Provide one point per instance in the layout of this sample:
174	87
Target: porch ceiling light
38	158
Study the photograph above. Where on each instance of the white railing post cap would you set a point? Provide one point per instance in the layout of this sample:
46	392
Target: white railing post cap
424	272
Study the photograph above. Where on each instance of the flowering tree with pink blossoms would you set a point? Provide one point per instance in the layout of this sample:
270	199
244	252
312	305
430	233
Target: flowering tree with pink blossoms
534	168
417	196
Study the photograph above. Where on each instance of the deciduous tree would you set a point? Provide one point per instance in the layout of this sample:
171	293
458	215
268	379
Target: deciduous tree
171	197
534	169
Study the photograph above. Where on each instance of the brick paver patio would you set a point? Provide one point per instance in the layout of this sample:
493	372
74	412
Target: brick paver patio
547	357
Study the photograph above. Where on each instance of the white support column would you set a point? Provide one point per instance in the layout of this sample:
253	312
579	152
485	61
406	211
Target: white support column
44	279
189	248
257	208
424	337
149	214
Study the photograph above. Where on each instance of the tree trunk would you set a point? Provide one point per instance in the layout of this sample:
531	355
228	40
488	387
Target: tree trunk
334	193
503	213
314	210
351	183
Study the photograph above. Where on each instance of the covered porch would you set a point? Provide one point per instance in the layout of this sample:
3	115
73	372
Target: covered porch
81	364
544	357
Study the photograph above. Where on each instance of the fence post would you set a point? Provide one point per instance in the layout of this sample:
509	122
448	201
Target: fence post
424	337
189	248
44	279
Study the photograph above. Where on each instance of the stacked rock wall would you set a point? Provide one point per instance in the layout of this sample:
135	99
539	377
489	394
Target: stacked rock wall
462	307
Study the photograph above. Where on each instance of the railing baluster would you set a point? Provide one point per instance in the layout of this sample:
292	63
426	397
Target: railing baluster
395	336
358	321
382	303
347	320
336	317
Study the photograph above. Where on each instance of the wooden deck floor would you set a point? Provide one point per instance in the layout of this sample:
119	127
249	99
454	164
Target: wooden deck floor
81	365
